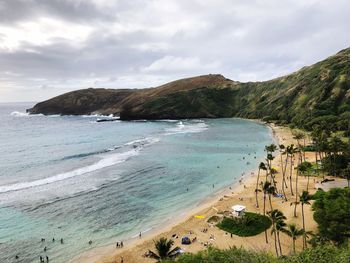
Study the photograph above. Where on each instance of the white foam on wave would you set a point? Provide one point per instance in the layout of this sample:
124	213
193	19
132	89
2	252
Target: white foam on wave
142	141
167	120
108	160
198	126
24	114
100	115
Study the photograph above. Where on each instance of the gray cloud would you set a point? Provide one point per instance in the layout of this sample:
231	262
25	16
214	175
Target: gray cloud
50	47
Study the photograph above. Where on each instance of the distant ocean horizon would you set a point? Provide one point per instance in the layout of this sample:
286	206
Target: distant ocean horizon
74	178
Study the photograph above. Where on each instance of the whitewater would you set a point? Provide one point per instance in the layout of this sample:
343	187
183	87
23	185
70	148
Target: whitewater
75	178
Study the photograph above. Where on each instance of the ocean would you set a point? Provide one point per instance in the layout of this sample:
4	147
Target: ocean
74	178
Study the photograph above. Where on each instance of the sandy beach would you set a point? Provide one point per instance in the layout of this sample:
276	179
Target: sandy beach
188	225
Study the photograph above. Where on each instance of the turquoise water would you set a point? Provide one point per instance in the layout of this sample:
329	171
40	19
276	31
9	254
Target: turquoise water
74	178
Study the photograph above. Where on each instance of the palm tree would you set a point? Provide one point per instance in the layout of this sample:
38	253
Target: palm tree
296	183
304	198
304	169
270	148
315	134
273	173
164	250
275	216
269	157
261	167
265	188
280	225
300	136
284	184
291	150
271	190
294	233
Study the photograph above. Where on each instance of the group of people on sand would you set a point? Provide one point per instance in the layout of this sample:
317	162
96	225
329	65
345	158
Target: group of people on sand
42	259
119	244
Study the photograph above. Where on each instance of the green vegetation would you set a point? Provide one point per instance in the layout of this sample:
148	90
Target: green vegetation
214	219
331	209
250	224
294	233
321	254
332	151
317	95
314	95
164	249
332	213
277	218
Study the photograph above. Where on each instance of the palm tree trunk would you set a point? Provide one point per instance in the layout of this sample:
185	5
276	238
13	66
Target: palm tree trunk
285	171
296	189
275	237
304	151
264	214
317	169
294	245
283	179
304	237
270	202
308	179
279	242
256	189
290	175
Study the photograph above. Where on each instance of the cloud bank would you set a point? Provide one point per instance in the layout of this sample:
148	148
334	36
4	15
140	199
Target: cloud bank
50	47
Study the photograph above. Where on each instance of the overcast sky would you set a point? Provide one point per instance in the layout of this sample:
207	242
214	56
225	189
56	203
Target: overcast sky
48	47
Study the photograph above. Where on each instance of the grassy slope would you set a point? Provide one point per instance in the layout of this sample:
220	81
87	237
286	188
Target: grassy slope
314	94
310	95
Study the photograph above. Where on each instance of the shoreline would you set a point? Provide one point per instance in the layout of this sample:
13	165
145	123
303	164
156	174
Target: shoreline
99	253
243	194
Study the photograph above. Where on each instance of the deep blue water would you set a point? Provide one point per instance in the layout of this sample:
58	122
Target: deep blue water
73	178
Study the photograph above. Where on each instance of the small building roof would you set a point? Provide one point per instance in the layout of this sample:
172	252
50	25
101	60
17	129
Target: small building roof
238	208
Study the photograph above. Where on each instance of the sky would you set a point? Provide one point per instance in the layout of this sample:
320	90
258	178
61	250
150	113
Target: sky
48	47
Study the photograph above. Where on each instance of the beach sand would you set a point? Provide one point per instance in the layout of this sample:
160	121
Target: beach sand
190	226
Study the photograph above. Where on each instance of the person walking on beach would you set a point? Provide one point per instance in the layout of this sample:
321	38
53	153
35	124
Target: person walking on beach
140	235
61	240
121	244
117	245
41	259
47	259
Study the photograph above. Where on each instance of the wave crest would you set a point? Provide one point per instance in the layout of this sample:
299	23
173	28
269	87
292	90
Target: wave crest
106	161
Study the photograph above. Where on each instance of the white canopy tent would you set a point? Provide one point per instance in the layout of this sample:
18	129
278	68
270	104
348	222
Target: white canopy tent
238	210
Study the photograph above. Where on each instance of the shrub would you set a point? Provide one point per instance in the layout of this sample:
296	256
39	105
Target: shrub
320	254
214	219
250	224
332	213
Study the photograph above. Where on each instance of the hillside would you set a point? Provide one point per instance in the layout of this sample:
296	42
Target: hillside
315	94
